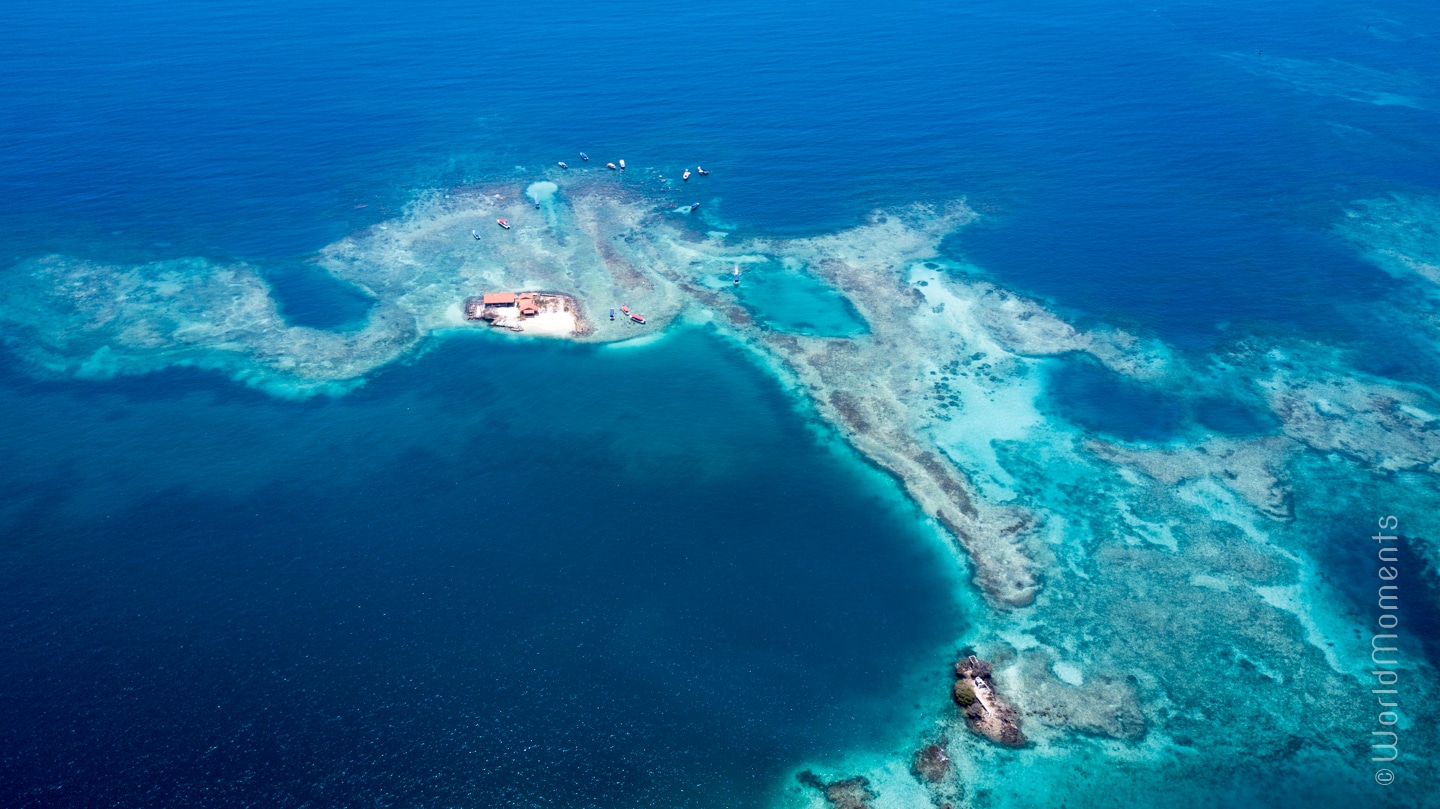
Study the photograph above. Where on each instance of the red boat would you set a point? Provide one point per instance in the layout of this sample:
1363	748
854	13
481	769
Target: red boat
625	309
502	223
638	319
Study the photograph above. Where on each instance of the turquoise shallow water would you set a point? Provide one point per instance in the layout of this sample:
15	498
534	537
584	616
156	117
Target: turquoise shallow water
536	574
789	299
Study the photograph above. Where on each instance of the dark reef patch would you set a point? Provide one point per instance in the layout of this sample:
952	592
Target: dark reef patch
1085	393
308	296
1233	417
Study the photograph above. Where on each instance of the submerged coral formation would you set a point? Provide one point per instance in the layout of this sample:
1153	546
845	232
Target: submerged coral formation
1141	601
846	793
98	320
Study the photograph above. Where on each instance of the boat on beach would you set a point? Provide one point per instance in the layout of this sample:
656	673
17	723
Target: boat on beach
502	223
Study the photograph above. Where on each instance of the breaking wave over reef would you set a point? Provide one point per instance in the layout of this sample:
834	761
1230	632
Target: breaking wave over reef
1186	609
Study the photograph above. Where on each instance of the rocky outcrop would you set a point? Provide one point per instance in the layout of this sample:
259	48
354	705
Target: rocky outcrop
932	767
986	713
848	793
932	764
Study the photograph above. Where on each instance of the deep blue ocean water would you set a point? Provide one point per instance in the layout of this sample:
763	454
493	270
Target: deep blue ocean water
675	588
634	583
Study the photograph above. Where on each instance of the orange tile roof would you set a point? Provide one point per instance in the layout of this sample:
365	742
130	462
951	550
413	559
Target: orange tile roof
498	298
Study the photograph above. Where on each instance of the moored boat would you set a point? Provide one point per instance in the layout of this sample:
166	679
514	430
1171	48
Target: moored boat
610	166
562	165
612	313
502	223
694	206
625	309
584	156
637	318
701	172
476	234
622	164
686	176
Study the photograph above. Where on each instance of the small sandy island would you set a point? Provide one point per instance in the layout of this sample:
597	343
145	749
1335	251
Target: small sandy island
545	314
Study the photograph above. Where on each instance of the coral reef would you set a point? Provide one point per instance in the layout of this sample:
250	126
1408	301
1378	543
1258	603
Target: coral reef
848	793
932	763
1253	470
1398	233
932	768
1100	705
1139	599
1383	426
